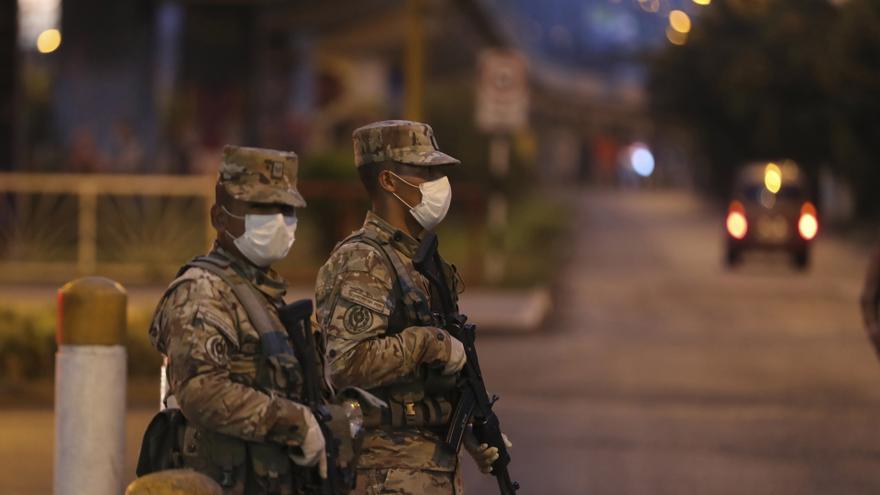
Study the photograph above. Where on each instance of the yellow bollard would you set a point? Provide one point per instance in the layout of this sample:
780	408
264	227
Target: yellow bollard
90	386
174	482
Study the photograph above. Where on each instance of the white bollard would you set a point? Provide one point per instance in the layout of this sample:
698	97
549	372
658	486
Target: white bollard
90	387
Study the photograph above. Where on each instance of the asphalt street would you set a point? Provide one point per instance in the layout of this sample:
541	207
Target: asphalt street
659	372
664	373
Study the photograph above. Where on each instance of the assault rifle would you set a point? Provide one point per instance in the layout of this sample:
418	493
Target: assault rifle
474	404
340	479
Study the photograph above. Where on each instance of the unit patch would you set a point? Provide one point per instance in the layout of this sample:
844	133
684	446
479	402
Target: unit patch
357	319
217	349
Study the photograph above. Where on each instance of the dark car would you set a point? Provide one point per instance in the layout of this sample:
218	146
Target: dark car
771	209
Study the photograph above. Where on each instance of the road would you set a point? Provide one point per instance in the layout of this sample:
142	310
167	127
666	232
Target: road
659	373
663	373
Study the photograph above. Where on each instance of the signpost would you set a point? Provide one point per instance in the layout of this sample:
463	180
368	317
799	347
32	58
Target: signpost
502	108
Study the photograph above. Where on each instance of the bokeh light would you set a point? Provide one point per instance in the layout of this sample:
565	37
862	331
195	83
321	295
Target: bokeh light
737	226
650	5
680	21
641	160
702	2
675	37
49	40
773	178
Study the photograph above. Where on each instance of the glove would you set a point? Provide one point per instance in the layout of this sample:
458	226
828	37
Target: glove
346	421
314	450
483	455
457	357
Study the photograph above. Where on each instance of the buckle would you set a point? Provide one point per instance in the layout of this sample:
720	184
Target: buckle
410	408
226	479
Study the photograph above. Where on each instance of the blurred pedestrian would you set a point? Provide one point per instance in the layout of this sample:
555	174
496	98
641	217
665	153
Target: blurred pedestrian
127	154
83	155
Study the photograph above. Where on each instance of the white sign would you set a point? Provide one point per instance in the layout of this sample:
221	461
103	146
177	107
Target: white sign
502	91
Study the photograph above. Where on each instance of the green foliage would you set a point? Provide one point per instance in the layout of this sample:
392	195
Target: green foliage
794	78
332	164
27	344
853	74
535	240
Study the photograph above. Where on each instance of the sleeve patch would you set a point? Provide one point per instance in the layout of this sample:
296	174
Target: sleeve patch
357	319
219	321
360	296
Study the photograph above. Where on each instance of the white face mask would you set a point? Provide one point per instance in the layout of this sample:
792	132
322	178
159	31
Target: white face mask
266	238
436	198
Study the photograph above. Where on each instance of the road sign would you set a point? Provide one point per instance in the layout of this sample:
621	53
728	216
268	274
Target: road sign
502	91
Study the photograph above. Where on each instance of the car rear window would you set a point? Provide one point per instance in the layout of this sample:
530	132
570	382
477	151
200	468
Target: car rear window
753	193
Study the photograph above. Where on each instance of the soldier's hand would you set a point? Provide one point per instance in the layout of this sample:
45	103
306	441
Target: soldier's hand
314	449
483	454
457	357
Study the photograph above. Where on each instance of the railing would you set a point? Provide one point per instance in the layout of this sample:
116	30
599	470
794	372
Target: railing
87	189
48	240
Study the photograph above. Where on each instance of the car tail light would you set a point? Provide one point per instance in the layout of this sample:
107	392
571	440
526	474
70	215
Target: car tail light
808	224
737	225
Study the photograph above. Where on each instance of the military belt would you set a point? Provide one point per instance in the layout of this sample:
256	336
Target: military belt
430	411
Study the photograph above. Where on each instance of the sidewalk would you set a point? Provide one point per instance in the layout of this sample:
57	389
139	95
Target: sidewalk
502	311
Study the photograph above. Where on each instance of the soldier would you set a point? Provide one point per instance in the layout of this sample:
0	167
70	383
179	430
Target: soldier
229	364
378	335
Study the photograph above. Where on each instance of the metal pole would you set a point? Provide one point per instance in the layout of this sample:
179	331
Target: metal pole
90	374
499	166
414	61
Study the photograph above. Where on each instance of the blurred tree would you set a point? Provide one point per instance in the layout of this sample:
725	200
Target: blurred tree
8	45
853	79
754	81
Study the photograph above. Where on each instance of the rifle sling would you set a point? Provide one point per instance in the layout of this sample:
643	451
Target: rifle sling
272	338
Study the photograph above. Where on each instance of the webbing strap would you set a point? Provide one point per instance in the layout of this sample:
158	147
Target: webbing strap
414	299
273	339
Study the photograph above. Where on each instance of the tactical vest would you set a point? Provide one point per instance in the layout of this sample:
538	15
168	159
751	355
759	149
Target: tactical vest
237	465
427	398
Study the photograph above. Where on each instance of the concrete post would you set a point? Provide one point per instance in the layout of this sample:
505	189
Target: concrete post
90	376
174	482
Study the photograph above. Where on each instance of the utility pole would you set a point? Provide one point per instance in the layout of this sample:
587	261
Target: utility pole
414	61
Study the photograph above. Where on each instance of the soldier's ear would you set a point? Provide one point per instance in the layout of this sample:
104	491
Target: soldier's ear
386	181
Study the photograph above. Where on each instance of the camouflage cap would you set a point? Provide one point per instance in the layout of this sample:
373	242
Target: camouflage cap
403	141
260	175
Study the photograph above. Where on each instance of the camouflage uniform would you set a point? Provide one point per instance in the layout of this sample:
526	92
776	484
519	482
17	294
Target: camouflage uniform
374	309
240	404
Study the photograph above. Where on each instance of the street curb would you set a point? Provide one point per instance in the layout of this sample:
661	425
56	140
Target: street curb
512	312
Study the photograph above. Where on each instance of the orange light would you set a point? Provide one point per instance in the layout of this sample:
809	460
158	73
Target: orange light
808	225
680	21
737	225
49	40
675	37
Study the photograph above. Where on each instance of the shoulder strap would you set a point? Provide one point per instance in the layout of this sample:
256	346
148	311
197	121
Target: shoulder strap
415	300
273	339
